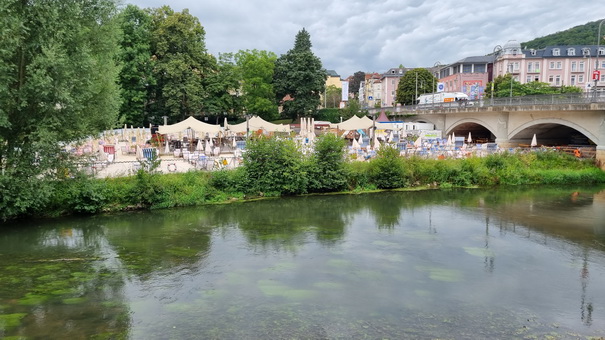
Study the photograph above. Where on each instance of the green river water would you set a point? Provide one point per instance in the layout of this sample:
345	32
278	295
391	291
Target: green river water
522	263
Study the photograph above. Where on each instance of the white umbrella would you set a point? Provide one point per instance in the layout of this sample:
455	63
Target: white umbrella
167	148
355	145
534	141
234	142
418	142
208	149
360	141
199	146
449	140
391	137
469	139
376	143
210	141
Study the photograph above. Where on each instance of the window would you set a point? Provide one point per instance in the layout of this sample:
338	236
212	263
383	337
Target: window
528	79
573	79
581	66
467	69
586	51
557	80
551	65
574	66
559	65
571	51
480	68
551	79
532	51
601	50
556	52
580	78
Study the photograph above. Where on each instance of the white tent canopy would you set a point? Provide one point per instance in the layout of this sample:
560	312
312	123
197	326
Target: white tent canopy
190	122
256	123
354	123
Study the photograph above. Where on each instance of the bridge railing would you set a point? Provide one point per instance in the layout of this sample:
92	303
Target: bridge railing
551	99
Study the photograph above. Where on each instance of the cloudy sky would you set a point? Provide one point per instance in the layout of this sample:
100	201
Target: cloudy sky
374	35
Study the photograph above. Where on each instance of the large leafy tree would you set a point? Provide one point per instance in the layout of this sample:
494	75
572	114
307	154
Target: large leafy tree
256	69
414	83
181	63
333	96
136	76
222	85
299	78
58	75
354	84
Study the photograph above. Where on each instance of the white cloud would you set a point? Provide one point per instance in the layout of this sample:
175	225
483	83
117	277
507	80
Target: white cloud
373	36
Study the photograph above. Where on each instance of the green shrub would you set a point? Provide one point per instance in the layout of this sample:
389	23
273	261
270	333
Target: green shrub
274	166
357	175
387	170
326	169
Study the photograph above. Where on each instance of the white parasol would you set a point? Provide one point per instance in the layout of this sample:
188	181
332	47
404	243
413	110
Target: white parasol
469	139
534	141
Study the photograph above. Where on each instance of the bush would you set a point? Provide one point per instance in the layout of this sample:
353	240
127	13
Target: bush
274	167
327	166
387	170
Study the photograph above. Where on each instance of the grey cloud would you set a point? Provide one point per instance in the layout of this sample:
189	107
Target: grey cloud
373	36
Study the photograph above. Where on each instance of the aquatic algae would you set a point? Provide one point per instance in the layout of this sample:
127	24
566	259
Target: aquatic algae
274	288
442	274
281	267
387	244
8	321
479	251
74	301
328	285
339	263
32	299
182	251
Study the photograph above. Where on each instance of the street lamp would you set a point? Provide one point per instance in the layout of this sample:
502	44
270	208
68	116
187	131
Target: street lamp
497	50
437	65
510	95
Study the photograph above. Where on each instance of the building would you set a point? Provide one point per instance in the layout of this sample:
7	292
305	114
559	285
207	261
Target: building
389	81
469	75
568	65
370	90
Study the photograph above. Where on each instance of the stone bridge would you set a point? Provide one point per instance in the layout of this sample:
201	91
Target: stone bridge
578	124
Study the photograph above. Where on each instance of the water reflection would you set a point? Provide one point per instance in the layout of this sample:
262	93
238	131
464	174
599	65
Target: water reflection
393	264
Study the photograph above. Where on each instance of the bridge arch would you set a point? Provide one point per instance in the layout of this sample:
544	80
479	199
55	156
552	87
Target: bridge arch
479	129
553	131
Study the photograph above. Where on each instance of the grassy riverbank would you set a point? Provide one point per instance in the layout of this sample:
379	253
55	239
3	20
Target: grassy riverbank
274	169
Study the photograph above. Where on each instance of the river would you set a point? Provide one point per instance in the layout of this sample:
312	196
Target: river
450	264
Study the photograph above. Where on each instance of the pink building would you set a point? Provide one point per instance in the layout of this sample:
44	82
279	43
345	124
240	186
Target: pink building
570	65
389	81
469	75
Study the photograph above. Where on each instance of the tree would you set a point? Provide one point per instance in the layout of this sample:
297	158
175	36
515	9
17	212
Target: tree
222	87
300	76
414	83
354	84
181	63
333	96
58	84
256	69
136	75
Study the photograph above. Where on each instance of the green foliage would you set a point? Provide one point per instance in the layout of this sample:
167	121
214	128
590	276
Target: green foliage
136	75
358	178
274	167
327	171
329	115
81	195
353	108
579	35
256	69
387	170
181	63
504	86
333	96
58	75
354	84
414	83
229	181
299	74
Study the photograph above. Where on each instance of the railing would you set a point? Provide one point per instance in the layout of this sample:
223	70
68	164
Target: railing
551	99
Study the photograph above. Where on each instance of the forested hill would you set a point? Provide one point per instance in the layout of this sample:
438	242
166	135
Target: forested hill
580	35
